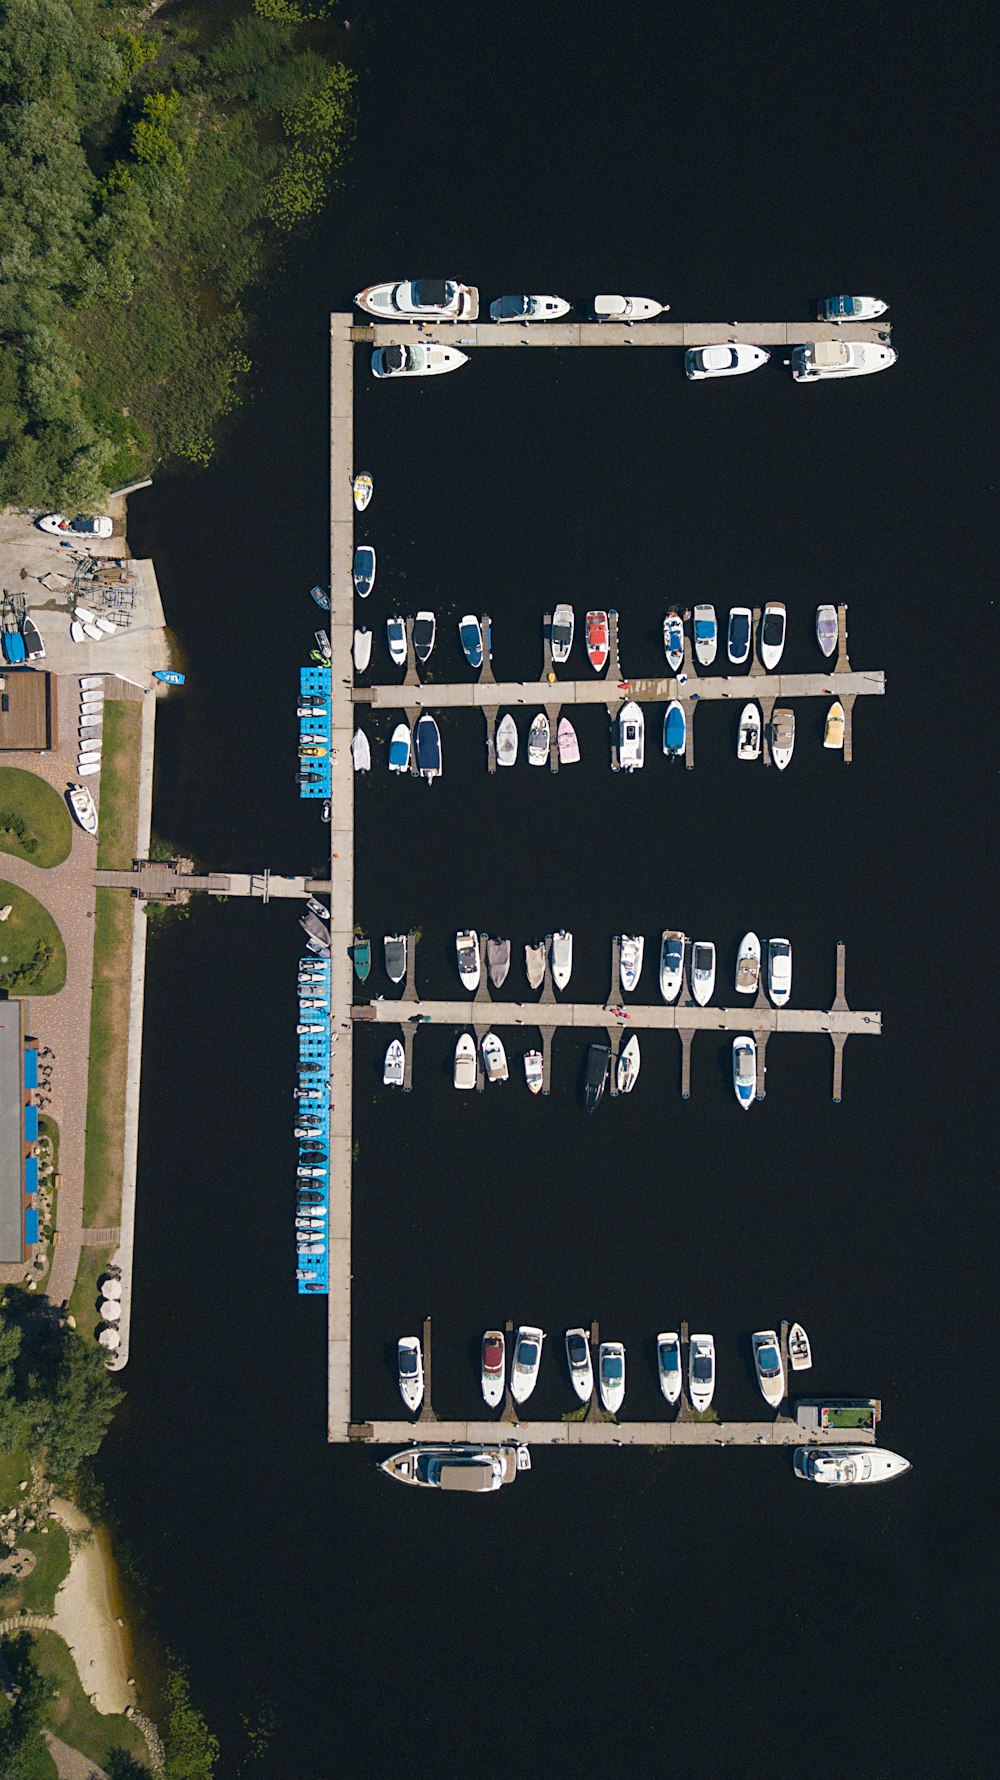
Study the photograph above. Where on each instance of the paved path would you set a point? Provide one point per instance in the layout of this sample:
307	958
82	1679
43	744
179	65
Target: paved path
70	1764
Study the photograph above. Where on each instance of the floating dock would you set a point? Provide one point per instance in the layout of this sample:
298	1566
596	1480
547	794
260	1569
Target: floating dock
677	334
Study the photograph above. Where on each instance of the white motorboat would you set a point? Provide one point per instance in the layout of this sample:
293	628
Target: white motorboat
668	1364
534	1071
534	964
851	308
529	308
394	1066
561	633
745	1069
395	945
672	946
748	742
506	740
839	358
410	1362
567	743
561	957
427	745
703	971
420	299
363	487
675	731
799	1349
827	628
399	749
628	309
416	361
733	359
833	732
526	1361
779	970
628	1065
768	1367
465	1062
739	635
580	1363
611	1375
494	1058
493	1374
362	648
471	1470
361	752
84	808
396	634
782	736
673	640
630	950
748	965
701	1372
470	635
498	961
364	570
706	634
631	737
598	641
424	633
469	963
93	525
848	1464
771	637
539	737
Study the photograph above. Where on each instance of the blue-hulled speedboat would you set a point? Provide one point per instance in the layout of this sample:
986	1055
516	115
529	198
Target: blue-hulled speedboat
427	746
674	728
364	570
470	635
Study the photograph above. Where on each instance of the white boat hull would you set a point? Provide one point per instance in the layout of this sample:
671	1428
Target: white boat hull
524	1379
701	1390
772	1388
561	958
631	947
628	1066
748	743
748	965
671	974
707	361
799	1349
615	308
631	738
465	1063
506	741
612	1390
702	983
745	1070
670	1381
838	1465
856	360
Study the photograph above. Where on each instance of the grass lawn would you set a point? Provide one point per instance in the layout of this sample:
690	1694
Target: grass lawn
71	1714
119	803
28	926
102	1175
14	1466
43	812
83	1302
37	1592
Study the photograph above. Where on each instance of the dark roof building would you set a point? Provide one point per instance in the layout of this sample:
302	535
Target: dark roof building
27	710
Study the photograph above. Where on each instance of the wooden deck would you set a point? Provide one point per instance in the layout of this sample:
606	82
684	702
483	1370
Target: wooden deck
781	1432
662	332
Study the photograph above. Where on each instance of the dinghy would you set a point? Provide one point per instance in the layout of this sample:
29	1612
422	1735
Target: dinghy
396	635
706	634
748	965
506	740
827	628
498	961
364	488
395	1063
799	1350
673	639
782	736
745	1069
427	743
561	634
561	957
362	648
672	946
598	646
630	950
534	1071
424	632
399	749
748	742
627	1067
833	734
534	965
675	730
566	742
631	738
494	1058
361	753
321	597
538	740
364	570
465	1062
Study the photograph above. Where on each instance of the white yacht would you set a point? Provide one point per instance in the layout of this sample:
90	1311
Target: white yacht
673	639
410	1361
631	738
675	731
416	361
362	648
782	736
833	732
739	635
630	950
469	963
394	1066
672	946
827	628
706	634
361	752
472	1470
628	1065
768	1367
851	308
399	749
561	634
493	1367
799	1349
611	1375
848	1464
530	308
668	1364
494	1058
561	957
733	359
527	1359
745	1069
581	1366
506	740
539	739
534	1071
702	970
420	299
771	639
748	965
396	637
465	1062
612	308
839	358
779	970
748	742
701	1371
424	633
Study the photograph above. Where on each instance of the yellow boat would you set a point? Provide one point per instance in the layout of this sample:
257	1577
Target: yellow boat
364	488
833	735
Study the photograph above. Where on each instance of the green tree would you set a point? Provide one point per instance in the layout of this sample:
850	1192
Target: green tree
22	1752
71	1399
190	1749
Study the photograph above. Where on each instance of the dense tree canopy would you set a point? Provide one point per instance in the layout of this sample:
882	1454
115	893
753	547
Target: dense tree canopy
56	1395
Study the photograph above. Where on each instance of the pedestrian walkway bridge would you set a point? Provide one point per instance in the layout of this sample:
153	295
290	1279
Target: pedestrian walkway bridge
164	880
678	334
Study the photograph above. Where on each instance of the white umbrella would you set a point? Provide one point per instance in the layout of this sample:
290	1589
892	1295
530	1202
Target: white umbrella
111	1310
112	1288
110	1338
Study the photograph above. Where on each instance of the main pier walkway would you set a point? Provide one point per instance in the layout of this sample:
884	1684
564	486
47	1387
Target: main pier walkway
678	334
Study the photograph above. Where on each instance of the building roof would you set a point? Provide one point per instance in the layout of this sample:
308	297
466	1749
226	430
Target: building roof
27	709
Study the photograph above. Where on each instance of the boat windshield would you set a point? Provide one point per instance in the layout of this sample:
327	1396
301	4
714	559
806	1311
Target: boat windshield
527	1354
768	1361
394	358
773	628
407	1362
612	1368
576	1348
674	953
701	1368
510	306
669	1357
432	293
702	960
492	1356
739	630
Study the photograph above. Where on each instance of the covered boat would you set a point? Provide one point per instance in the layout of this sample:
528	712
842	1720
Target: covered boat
628	1065
465	1062
748	965
631	737
611	1375
799	1350
498	961
738	637
630	950
506	740
597	1064
466	1470
675	730
394	1066
561	957
396	637
771	640
470	635
427	745
668	1364
364	570
744	1068
567	744
703	971
410	1365
534	964
494	1058
539	736
493	1372
706	634
833	733
363	488
748	741
598	645
827	628
673	640
361	753
362	648
395	956
534	1071
672	945
561	634
361	952
768	1367
782	736
399	749
469	967
424	632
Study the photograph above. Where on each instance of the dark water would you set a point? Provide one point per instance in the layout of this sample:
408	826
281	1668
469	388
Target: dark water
681	1613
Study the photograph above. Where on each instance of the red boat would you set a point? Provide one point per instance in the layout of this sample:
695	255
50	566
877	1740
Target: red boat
597	640
494	1375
